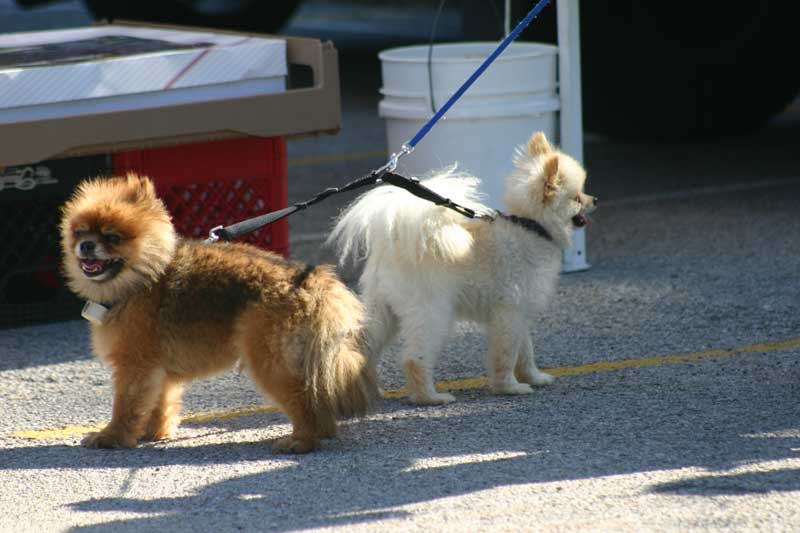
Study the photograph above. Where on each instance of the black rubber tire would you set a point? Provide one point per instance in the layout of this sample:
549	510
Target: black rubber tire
665	70
245	15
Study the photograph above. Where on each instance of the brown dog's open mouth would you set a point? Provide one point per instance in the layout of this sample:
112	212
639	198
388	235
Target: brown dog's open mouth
579	220
93	268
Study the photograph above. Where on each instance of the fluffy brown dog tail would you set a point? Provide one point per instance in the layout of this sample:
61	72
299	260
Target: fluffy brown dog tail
340	379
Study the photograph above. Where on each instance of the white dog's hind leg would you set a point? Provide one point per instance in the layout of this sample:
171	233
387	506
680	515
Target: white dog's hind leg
526	369
424	335
380	326
506	340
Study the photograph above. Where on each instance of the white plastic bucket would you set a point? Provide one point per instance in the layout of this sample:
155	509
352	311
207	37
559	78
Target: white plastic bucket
516	96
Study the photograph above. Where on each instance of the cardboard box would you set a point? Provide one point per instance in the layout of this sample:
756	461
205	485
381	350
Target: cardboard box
296	112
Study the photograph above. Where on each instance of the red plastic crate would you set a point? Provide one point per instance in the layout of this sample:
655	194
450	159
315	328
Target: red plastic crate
218	183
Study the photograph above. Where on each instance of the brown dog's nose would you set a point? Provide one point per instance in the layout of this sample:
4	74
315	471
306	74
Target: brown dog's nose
87	247
595	201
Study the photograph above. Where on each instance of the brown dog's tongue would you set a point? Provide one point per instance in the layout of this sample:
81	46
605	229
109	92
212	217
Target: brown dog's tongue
92	265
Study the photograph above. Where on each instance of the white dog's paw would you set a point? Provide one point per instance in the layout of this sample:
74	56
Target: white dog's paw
536	378
541	378
512	388
437	398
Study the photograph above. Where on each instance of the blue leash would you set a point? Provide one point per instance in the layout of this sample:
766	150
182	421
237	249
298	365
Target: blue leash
386	171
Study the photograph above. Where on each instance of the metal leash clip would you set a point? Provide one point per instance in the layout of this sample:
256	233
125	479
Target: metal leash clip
212	234
391	165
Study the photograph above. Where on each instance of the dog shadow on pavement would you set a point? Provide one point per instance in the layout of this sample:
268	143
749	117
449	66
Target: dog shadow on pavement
405	455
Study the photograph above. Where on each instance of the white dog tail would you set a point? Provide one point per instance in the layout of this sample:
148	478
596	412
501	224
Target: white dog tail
390	220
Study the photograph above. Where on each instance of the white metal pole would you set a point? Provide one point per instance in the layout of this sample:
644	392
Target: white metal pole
571	115
507	18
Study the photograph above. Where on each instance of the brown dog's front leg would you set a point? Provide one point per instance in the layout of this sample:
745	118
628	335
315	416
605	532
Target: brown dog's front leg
136	393
165	416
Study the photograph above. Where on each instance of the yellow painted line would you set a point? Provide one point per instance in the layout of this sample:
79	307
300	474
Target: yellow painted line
771	346
460	384
198	418
213	416
611	366
57	433
317	160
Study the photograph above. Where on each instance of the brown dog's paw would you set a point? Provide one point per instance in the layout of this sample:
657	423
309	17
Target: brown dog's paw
101	439
158	435
293	445
327	433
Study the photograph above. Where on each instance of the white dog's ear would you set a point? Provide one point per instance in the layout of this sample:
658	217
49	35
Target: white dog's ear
538	145
551	179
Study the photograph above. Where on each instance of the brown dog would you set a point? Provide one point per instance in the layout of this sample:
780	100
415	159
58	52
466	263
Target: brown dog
174	309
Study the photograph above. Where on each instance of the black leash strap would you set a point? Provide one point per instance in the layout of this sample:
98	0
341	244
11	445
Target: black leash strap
234	231
412	185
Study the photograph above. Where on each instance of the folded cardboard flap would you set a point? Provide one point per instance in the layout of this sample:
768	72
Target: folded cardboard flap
296	112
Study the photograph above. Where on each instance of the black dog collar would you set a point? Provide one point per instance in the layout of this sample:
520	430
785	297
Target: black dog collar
527	223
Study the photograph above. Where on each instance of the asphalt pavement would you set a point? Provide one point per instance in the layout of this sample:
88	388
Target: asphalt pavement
675	406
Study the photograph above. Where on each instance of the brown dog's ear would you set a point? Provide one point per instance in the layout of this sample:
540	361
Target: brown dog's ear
551	179
139	188
538	145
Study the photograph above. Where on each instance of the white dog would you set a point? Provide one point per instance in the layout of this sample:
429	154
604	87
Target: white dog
427	266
